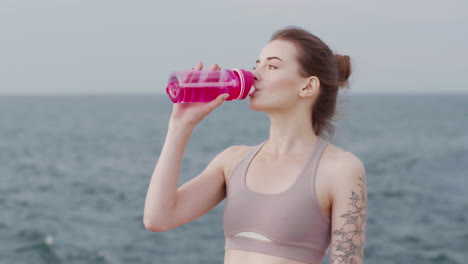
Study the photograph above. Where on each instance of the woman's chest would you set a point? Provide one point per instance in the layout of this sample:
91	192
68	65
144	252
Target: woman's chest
268	178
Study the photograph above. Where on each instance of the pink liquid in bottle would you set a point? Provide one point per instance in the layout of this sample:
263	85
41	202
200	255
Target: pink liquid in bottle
206	85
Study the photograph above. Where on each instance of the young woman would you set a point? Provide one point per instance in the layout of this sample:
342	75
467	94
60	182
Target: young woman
290	198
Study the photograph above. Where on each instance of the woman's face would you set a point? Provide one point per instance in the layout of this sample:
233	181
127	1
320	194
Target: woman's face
277	79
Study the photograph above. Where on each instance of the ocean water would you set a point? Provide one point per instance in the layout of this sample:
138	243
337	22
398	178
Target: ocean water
74	171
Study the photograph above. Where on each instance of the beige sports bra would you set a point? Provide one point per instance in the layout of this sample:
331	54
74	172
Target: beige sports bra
290	224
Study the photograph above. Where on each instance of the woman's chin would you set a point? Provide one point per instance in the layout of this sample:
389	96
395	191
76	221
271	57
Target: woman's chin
253	104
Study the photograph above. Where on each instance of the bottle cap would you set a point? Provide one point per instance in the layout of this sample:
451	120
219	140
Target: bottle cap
247	79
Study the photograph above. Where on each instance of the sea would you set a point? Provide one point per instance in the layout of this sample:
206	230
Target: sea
75	170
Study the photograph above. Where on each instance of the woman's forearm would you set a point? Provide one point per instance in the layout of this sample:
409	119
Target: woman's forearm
162	191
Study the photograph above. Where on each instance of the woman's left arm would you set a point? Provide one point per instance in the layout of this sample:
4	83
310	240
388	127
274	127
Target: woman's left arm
349	207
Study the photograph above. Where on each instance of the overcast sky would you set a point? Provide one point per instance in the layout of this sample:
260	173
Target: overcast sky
113	46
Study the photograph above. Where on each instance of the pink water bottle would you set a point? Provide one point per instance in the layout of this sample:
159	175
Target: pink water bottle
206	85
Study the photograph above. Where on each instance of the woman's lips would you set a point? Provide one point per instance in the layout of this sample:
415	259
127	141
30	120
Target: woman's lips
255	90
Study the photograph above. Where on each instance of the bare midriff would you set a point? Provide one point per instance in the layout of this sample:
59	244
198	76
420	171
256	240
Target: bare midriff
233	256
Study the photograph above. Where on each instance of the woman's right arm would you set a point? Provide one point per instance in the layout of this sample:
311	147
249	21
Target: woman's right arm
166	205
161	196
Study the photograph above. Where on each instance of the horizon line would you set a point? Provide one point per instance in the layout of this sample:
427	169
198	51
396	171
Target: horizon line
164	94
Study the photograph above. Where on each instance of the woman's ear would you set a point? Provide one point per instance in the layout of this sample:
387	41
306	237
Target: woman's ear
312	85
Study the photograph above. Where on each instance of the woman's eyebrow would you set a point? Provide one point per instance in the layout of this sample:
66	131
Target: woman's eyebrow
269	58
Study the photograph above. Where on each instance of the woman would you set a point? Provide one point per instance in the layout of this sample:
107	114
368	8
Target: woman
290	198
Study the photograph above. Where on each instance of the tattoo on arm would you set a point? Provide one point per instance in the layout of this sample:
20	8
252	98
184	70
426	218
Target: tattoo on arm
349	244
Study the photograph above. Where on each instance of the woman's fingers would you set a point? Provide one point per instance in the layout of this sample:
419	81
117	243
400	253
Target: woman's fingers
214	67
214	74
219	100
194	75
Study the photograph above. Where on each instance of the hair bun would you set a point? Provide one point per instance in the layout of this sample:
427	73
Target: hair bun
344	69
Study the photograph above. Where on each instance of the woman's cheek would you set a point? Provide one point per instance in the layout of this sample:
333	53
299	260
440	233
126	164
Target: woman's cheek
285	84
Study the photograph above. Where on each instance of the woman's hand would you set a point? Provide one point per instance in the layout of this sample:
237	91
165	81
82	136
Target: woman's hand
190	114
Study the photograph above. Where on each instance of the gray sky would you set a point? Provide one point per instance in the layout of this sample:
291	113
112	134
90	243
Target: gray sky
104	46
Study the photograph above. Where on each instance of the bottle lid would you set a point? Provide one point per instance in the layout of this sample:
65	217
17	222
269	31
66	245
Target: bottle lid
247	80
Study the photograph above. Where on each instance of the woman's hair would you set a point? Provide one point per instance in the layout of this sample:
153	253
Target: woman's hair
315	58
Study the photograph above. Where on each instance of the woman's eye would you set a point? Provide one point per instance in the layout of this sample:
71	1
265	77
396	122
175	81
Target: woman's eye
268	67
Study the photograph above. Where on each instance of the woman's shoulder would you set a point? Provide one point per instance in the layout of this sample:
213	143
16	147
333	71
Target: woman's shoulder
235	152
335	157
341	168
344	171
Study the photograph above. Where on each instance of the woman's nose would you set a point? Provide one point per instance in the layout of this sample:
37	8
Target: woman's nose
254	75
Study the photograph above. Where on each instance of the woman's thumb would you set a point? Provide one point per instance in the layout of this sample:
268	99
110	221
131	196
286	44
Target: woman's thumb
223	97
